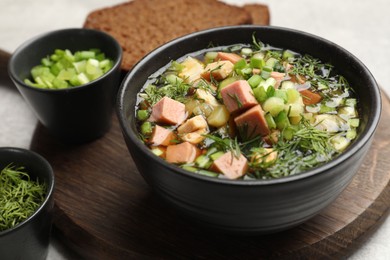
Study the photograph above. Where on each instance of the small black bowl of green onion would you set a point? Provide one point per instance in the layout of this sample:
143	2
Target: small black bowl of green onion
26	198
70	78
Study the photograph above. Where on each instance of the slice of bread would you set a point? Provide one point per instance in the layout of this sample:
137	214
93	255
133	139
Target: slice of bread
259	13
142	25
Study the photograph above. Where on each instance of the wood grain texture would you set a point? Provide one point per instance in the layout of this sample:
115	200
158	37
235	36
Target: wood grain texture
105	210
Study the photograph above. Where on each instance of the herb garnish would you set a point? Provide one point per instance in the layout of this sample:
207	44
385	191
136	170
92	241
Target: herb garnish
313	69
176	91
226	144
20	197
308	148
237	99
256	43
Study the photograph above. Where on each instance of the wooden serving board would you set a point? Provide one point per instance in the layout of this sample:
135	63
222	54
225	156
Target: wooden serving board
105	210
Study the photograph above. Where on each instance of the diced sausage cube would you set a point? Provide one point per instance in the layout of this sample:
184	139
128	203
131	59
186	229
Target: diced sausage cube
238	96
230	165
252	123
168	111
162	136
310	97
219	70
182	153
232	57
278	76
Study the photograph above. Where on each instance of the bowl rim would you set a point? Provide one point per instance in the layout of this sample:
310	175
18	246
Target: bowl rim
50	188
357	145
115	44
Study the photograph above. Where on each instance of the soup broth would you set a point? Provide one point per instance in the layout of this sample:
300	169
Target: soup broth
247	111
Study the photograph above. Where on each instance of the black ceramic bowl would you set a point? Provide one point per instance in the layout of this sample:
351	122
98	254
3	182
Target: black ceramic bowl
251	206
77	114
30	238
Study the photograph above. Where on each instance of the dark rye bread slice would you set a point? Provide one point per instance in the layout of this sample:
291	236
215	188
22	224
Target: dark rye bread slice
142	25
259	13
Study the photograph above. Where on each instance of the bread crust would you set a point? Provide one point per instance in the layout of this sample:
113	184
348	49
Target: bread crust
142	25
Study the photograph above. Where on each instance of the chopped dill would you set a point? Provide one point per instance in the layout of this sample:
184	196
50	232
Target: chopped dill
154	92
237	99
313	69
308	148
226	144
20	196
256	43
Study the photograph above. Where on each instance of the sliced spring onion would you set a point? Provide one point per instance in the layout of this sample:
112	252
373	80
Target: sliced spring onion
63	69
246	51
240	64
203	161
260	94
270	121
255	80
256	62
271	62
266	72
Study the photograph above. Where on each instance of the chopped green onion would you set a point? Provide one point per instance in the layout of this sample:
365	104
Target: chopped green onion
256	62
260	94
240	64
281	120
255	80
203	161
270	121
271	62
210	56
246	51
63	69
287	55
207	173
266	72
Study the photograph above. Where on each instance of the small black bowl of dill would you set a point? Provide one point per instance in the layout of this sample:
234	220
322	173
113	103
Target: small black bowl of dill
26	203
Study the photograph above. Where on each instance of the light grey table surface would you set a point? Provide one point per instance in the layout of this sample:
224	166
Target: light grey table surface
361	27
